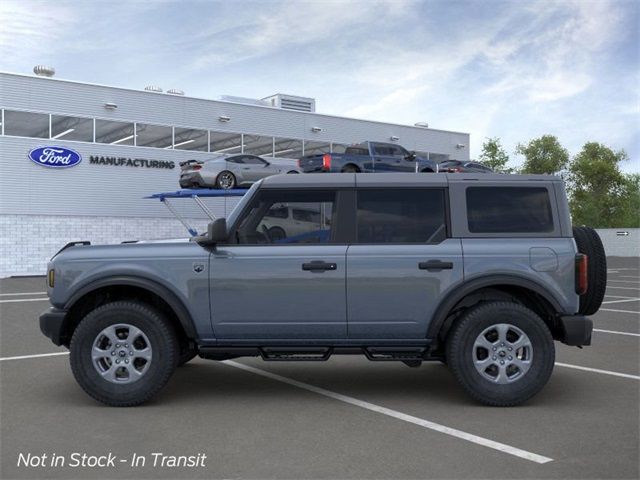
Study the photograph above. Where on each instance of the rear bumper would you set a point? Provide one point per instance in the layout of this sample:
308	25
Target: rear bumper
52	324
576	330
191	179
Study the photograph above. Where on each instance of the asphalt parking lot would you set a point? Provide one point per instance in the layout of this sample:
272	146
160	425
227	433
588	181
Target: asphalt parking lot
345	418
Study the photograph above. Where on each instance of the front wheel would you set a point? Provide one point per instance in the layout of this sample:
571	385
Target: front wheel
123	353
502	353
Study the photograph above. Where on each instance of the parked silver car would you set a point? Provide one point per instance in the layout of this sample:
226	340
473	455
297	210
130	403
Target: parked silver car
227	172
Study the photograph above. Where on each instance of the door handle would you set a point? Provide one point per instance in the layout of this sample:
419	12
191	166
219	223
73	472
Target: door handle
435	265
319	266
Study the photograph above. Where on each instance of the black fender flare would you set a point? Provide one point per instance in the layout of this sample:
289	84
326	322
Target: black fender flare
178	307
460	291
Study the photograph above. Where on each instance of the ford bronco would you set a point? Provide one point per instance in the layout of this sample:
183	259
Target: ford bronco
479	271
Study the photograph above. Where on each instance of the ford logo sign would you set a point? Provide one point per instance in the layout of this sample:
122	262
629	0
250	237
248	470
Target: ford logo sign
55	157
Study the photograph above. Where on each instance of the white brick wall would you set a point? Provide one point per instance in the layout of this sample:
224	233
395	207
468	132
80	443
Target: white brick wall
27	242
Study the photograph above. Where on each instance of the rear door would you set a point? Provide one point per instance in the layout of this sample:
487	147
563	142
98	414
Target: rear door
401	263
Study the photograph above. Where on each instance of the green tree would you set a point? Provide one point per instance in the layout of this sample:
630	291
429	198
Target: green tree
543	155
494	156
601	195
630	218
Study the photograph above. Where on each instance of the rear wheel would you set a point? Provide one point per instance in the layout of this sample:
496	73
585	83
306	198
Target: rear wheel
277	233
350	169
292	171
123	353
588	242
502	353
225	180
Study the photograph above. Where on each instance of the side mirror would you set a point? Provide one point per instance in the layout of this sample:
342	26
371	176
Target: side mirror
216	233
411	156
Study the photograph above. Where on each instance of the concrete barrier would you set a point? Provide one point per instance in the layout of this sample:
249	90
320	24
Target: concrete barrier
620	242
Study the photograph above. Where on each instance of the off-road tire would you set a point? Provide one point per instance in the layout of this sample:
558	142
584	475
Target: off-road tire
459	353
588	242
161	336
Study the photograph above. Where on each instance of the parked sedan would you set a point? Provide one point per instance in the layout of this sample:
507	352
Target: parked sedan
227	172
458	166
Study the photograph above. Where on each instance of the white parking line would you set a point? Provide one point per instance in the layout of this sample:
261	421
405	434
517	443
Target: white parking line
501	447
616	332
21	293
629	276
624	281
621	301
618	311
597	370
24	357
18	300
615	296
615	287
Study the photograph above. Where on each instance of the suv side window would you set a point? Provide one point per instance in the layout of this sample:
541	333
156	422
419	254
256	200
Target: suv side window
266	222
509	210
401	216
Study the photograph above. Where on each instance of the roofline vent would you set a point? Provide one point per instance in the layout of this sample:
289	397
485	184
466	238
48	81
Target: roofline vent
44	71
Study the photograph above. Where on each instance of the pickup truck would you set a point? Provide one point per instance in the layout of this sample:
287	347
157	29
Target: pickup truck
368	157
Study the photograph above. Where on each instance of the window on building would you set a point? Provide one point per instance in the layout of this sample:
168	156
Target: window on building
268	220
339	147
509	210
157	136
316	148
258	145
287	148
26	124
190	139
225	143
115	133
72	128
401	216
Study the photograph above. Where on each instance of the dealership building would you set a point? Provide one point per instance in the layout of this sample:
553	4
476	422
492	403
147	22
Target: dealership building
127	144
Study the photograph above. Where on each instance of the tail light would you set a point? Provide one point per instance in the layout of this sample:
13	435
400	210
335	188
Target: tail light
454	170
326	161
299	163
582	279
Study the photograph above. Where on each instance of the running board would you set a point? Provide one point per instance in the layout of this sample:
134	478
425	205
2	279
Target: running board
390	354
296	354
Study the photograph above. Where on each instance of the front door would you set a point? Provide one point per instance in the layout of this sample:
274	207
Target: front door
401	263
281	279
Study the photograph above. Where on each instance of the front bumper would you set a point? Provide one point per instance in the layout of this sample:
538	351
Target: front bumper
576	330
52	325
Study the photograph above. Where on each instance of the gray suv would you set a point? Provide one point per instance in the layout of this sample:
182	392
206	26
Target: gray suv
479	271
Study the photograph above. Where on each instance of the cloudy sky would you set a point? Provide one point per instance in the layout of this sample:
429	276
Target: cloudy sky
514	69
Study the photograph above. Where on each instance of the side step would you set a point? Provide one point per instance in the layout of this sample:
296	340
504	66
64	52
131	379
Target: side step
388	354
296	354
